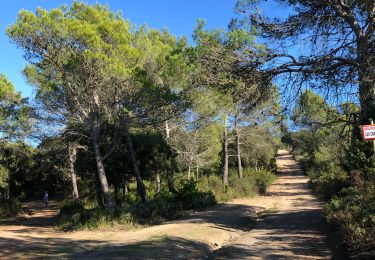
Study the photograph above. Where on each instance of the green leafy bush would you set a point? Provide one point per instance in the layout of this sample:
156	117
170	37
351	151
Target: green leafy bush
329	182
9	208
252	183
192	198
75	215
167	205
214	183
263	179
163	206
353	212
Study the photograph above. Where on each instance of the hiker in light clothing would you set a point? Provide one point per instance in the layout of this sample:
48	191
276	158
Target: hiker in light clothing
45	198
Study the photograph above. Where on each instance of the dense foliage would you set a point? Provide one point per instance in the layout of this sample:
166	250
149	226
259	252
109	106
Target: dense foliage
131	124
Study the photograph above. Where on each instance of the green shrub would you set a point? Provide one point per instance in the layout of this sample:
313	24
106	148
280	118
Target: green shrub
263	179
353	212
214	184
329	182
252	183
163	206
9	208
240	188
70	206
191	198
75	215
167	205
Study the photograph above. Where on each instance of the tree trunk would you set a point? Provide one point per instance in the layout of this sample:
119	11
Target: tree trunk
170	182
140	185
98	189
9	189
7	193
366	80
158	183
238	146
125	190
197	178
366	72
167	130
225	144
169	174
189	172
95	134
115	186
12	187
72	150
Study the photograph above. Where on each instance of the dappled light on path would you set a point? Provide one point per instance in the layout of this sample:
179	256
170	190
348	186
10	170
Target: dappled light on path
295	228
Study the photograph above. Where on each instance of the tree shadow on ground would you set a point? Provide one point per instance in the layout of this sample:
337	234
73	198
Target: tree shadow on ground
226	216
34	214
297	234
158	248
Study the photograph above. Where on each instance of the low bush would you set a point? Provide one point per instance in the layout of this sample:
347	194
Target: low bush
353	212
263	179
192	198
167	205
252	183
74	215
9	208
163	206
329	182
214	184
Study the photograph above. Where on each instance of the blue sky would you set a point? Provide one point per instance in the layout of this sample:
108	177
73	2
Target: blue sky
179	16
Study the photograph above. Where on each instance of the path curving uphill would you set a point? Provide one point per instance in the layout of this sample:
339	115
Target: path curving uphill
289	225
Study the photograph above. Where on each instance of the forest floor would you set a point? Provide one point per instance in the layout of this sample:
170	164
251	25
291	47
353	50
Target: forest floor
286	223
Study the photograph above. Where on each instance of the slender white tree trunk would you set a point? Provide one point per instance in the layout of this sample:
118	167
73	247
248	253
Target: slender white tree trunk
95	134
72	150
238	146
225	144
158	183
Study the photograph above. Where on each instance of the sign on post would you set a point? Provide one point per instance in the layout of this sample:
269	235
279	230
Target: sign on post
368	132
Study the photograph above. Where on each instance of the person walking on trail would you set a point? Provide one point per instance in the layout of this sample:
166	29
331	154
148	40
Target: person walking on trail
45	198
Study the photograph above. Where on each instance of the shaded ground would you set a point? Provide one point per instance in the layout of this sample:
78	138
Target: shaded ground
290	225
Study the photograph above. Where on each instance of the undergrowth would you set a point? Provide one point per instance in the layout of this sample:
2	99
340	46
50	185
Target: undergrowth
165	205
162	206
254	182
349	192
9	208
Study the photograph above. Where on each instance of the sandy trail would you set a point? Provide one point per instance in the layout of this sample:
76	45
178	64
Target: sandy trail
290	226
296	228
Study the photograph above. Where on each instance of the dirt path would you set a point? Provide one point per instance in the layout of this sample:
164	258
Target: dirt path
294	230
290	226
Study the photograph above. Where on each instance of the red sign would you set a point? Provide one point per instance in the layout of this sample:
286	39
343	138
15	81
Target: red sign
368	132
